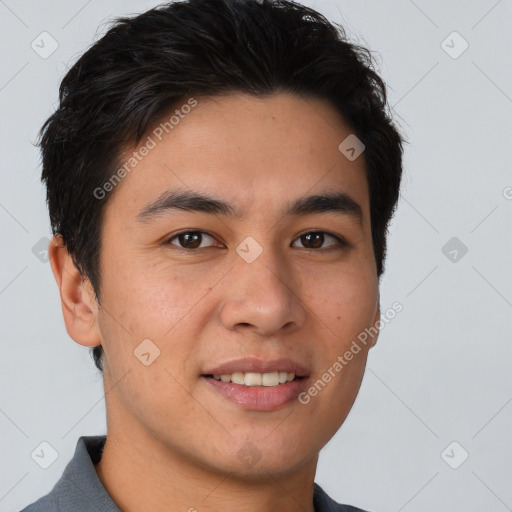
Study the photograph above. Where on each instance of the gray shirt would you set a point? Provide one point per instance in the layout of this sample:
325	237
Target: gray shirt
80	490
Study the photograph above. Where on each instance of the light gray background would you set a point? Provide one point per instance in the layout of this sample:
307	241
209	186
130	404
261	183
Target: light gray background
441	369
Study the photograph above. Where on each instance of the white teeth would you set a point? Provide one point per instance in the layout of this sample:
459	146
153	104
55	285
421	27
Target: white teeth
269	379
252	379
237	378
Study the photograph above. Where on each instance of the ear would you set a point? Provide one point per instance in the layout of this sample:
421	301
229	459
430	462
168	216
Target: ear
79	305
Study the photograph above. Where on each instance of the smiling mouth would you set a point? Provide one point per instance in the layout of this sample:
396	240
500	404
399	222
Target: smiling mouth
253	391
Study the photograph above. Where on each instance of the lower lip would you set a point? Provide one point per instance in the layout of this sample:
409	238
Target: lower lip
259	398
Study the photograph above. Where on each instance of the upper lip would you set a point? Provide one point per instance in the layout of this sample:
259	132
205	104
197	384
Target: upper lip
256	365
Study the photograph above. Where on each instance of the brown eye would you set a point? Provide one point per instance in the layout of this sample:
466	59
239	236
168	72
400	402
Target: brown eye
315	239
189	239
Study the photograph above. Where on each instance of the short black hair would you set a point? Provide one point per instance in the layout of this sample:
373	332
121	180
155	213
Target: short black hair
146	64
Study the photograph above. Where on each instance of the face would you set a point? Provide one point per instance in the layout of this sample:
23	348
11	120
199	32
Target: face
257	281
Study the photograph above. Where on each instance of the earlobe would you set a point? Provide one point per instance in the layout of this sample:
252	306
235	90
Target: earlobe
79	306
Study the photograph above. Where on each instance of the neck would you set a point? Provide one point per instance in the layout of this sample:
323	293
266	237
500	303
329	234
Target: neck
139	473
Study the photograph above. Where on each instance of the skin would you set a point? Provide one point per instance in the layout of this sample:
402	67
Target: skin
172	440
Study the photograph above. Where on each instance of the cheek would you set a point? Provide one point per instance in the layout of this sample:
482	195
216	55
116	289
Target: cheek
148	299
158	304
346	300
344	309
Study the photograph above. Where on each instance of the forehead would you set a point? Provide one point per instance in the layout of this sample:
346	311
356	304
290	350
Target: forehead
253	152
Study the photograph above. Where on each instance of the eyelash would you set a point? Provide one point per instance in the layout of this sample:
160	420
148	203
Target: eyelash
342	243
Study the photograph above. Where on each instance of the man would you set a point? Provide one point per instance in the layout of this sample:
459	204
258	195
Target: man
220	177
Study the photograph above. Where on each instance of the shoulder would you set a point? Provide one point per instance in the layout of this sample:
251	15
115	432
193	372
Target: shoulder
324	503
44	504
79	487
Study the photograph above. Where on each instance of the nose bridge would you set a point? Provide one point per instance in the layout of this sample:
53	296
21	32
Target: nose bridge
264	292
262	269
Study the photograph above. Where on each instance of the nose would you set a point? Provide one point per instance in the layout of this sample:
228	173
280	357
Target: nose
262	296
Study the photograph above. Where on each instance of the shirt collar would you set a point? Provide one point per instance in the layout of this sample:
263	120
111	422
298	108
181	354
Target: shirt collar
79	487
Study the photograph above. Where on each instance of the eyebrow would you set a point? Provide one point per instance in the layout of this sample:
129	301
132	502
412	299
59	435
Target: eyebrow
336	202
